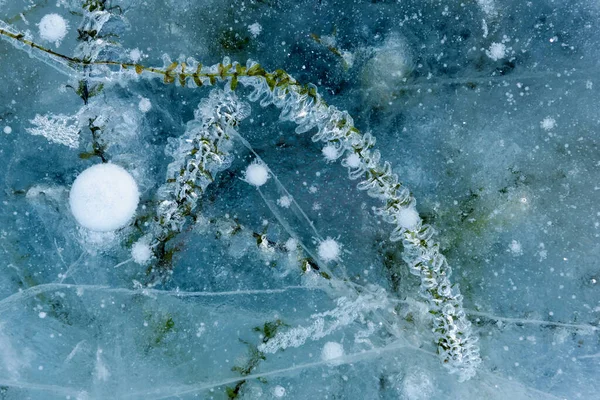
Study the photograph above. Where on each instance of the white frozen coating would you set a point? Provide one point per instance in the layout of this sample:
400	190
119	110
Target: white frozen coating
53	28
256	174
104	198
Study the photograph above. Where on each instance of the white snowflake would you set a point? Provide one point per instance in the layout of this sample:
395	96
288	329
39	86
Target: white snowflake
548	123
496	51
255	29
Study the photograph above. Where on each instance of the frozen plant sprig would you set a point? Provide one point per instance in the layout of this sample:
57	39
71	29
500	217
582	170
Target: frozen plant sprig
199	154
457	345
302	104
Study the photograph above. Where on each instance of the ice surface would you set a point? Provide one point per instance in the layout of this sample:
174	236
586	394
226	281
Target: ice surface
486	110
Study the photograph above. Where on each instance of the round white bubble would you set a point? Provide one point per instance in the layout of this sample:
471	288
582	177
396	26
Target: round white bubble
278	391
53	28
332	352
104	198
256	174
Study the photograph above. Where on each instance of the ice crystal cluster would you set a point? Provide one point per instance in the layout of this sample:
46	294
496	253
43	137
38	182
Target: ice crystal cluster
237	200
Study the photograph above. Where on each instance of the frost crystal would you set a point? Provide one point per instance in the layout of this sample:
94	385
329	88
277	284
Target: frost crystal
326	323
57	129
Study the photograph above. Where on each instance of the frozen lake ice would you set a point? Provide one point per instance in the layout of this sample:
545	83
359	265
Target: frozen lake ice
367	199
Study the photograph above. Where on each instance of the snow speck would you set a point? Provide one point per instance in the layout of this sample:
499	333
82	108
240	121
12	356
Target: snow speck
330	153
141	252
284	201
332	351
256	174
278	391
548	123
291	244
352	161
408	218
144	105
255	29
7	130
487	6
104	198
135	55
496	51
53	28
515	248
329	250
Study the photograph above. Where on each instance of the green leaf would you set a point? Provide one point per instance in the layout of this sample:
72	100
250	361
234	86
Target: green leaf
95	90
255	70
231	393
172	66
197	80
169	78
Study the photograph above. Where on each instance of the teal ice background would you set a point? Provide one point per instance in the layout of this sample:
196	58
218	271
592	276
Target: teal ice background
488	111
